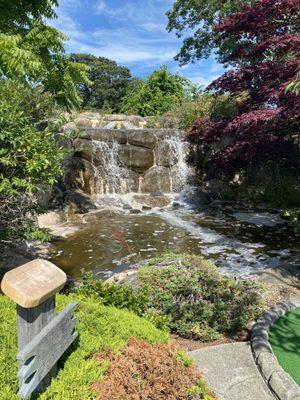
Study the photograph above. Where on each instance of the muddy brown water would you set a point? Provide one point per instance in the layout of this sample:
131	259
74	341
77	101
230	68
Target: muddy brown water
238	247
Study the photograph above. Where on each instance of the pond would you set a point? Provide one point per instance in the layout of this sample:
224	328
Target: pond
239	241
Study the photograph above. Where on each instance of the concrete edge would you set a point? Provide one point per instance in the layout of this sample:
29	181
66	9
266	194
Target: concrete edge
280	382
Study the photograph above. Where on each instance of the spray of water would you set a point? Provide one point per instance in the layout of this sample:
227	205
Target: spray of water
110	172
114	178
180	171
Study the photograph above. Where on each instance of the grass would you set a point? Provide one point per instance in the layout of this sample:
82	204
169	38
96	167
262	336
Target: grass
285	341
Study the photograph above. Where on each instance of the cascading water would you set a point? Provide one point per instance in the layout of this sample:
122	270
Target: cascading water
177	157
110	174
117	167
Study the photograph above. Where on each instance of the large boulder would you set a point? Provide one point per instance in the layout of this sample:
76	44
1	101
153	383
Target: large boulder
81	174
196	196
84	149
141	137
136	158
220	190
105	135
156	178
167	133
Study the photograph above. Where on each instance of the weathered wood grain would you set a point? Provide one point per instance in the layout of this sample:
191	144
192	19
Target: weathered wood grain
39	356
30	322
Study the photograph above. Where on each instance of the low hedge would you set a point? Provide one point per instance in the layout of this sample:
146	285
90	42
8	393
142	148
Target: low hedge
198	300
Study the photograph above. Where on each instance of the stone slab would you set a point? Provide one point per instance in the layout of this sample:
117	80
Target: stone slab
231	372
33	283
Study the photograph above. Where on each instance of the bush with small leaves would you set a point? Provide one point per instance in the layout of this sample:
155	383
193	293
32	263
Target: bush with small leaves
200	302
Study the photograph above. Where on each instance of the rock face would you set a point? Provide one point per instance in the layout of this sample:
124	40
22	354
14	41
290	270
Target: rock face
119	154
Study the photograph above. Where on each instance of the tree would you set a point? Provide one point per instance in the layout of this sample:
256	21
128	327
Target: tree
295	84
109	82
33	52
156	95
35	76
200	17
30	157
268	120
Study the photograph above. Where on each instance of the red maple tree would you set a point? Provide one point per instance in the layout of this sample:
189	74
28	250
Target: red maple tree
266	57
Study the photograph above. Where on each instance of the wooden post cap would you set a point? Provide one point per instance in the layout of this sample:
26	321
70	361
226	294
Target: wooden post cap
33	283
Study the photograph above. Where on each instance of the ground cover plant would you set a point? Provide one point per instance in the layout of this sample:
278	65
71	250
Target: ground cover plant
145	371
285	341
99	328
199	301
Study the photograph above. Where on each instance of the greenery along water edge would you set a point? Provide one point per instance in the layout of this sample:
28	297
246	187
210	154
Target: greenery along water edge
186	294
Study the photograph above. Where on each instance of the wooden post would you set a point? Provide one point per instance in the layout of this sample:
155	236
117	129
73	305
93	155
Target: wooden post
30	322
42	336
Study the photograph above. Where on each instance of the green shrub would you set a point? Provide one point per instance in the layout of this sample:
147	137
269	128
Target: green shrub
121	295
204	105
99	328
200	302
293	216
118	295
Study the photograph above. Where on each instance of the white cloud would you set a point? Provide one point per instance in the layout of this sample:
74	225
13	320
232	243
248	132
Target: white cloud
130	34
100	7
202	79
125	44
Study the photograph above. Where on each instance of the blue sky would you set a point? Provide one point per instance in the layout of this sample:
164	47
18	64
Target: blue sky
131	32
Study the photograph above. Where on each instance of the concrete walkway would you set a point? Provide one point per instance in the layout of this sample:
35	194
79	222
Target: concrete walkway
231	372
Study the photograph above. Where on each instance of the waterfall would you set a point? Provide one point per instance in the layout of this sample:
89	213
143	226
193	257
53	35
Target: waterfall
116	175
180	171
111	175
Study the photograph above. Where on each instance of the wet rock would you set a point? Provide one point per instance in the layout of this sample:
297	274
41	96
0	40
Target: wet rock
157	193
107	135
167	133
135	211
137	158
80	202
220	190
127	207
152	201
165	154
80	174
176	205
196	196
157	178
141	137
168	152
146	208
84	149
